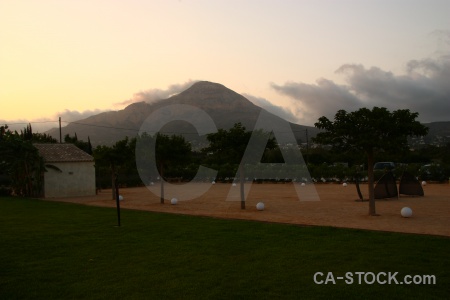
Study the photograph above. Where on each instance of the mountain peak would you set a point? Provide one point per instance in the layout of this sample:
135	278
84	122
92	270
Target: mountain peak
207	85
207	89
206	95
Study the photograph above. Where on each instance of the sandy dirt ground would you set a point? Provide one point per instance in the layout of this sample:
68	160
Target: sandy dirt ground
335	205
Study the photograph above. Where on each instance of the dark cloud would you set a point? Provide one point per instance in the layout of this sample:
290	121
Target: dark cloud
323	98
424	88
153	95
270	107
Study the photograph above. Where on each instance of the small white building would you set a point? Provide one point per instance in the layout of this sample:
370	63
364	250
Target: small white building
70	171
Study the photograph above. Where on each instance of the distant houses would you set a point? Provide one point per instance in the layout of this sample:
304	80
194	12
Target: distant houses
70	171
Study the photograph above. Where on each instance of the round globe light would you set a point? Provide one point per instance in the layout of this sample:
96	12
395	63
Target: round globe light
120	197
260	206
234	184
424	183
303	184
406	212
174	201
344	184
213	182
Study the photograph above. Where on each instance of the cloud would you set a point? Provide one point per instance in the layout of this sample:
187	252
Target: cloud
280	111
43	124
424	88
153	95
74	115
323	98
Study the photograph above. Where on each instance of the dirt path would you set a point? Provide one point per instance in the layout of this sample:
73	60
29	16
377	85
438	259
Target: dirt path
337	206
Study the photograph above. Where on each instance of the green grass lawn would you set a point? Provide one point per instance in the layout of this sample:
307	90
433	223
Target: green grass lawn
65	251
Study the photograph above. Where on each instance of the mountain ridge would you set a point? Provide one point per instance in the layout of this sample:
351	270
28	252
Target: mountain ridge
222	104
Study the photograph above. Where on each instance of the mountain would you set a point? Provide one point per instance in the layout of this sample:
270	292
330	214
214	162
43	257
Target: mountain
223	105
438	133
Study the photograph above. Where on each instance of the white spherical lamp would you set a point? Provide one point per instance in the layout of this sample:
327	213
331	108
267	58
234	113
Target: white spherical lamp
174	201
406	212
120	197
234	184
424	182
260	206
303	184
213	182
344	184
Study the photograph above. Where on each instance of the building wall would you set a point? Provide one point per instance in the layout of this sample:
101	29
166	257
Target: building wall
76	179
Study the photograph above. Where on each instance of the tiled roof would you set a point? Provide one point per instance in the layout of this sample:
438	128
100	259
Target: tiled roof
62	153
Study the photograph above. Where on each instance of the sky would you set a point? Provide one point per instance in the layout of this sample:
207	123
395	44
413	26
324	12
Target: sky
299	59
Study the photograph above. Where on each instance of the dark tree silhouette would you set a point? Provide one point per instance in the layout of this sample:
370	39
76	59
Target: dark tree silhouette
368	131
116	157
170	151
229	146
85	146
21	161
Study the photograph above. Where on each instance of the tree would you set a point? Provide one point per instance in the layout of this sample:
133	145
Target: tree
370	131
229	146
170	151
21	161
85	146
27	134
115	158
43	138
161	155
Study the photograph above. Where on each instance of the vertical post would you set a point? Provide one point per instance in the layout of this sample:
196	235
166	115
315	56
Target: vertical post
162	183
60	133
241	184
116	185
358	190
113	181
307	147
